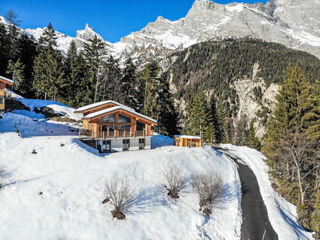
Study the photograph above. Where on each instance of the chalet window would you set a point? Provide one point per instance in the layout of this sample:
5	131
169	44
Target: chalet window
142	143
1	100
125	144
124	119
124	127
109	119
140	126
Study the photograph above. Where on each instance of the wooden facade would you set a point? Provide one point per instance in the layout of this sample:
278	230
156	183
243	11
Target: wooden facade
187	141
113	120
4	84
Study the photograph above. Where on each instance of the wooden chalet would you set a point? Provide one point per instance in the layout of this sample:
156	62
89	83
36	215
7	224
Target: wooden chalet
4	84
187	141
112	125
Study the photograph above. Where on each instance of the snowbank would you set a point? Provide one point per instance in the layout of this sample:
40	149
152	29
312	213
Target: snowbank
56	106
282	214
57	193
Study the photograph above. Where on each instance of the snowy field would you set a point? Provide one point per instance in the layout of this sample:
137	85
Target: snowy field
282	214
58	192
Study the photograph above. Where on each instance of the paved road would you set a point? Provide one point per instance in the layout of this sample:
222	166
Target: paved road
255	221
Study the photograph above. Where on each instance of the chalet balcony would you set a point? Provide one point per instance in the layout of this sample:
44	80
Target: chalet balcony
84	133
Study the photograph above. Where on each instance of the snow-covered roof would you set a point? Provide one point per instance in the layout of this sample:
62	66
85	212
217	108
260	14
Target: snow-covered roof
108	110
6	79
187	136
98	104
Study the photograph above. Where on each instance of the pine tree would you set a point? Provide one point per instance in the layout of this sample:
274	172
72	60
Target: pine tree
292	154
16	70
167	116
128	82
48	69
252	140
109	81
198	117
148	81
93	52
216	122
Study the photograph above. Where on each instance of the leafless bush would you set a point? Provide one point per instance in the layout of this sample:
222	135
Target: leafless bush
175	181
119	195
209	188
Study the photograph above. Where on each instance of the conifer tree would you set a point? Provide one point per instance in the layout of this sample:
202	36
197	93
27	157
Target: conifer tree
16	70
148	82
109	80
216	121
252	140
167	116
128	81
198	117
48	69
93	52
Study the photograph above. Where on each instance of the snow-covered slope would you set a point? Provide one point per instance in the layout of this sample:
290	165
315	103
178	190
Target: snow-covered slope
57	193
282	214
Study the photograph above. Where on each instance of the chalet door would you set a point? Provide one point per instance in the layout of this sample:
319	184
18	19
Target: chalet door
125	144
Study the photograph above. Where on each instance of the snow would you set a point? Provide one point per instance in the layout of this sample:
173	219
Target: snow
187	136
57	193
235	7
104	111
304	37
98	104
7	79
56	106
282	214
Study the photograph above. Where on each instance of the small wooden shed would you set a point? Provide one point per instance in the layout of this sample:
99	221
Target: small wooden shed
4	83
187	141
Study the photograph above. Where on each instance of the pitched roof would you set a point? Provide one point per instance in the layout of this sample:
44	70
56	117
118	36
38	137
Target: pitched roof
187	136
98	104
108	110
7	80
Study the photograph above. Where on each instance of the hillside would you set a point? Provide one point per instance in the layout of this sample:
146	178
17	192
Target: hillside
57	193
242	74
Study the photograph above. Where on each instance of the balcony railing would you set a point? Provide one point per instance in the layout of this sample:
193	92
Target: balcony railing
84	133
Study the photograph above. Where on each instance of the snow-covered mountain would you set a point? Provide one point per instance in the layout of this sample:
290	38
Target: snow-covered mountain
293	23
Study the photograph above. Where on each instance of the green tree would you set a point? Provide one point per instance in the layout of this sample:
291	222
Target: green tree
252	140
16	70
128	82
93	52
48	68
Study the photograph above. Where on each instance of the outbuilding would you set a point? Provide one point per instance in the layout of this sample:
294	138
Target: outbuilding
187	141
4	84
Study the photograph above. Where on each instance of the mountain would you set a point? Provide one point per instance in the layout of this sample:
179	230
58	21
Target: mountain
293	23
243	75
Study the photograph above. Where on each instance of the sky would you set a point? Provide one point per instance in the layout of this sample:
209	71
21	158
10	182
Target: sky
112	19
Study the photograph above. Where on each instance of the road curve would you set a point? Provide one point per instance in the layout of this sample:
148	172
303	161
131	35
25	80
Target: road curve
255	220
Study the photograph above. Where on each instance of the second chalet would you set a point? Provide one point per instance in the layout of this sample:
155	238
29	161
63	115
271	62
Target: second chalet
110	126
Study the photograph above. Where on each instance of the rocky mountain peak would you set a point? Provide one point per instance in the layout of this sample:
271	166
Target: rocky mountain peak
88	33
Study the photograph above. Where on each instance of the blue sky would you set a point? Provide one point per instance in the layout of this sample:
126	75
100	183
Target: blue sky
112	19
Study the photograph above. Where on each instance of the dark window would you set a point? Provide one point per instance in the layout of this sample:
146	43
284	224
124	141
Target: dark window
142	143
1	100
140	126
109	119
124	119
125	144
124	127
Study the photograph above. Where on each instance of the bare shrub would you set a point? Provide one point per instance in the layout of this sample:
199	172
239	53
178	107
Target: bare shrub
119	195
175	181
209	188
